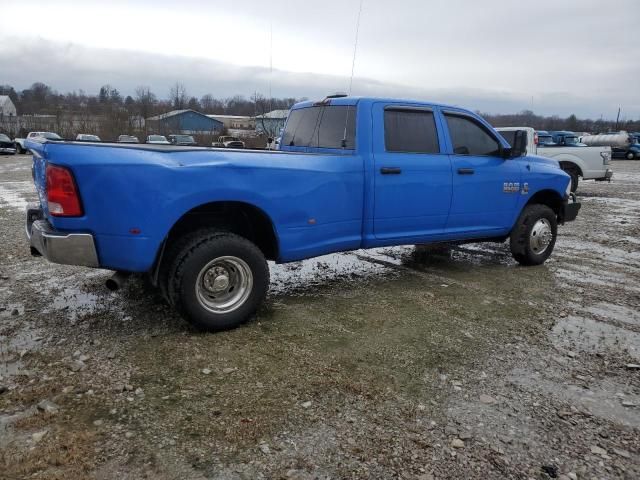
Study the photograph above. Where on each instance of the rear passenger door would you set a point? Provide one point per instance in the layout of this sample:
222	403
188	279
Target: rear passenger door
412	174
484	183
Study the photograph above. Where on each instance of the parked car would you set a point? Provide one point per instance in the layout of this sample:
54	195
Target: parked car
227	141
7	146
158	140
183	140
128	139
85	137
590	163
20	142
203	223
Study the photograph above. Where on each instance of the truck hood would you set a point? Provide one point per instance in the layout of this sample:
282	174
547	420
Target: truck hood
543	160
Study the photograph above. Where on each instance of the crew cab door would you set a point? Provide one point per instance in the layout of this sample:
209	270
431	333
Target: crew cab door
412	173
486	186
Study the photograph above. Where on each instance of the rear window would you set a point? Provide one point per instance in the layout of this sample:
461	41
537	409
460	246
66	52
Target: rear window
321	127
410	131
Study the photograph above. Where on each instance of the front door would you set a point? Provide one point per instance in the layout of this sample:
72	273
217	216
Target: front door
486	186
412	173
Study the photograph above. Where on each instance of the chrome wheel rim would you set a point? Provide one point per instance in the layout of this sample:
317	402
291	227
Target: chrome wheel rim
224	284
541	236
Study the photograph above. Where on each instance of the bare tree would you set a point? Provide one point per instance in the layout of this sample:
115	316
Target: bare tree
178	96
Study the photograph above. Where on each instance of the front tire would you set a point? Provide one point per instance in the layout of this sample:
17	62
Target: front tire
534	235
217	280
630	156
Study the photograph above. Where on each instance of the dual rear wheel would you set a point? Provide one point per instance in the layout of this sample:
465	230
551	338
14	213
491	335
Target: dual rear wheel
215	280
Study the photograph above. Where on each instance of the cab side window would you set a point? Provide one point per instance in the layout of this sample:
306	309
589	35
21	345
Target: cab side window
410	131
331	126
470	138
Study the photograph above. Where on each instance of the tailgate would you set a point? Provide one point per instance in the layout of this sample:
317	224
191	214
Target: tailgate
38	170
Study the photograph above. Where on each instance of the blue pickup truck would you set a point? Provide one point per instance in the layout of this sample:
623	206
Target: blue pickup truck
351	173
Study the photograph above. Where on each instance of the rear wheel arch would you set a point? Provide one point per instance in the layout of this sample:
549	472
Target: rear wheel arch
567	165
241	218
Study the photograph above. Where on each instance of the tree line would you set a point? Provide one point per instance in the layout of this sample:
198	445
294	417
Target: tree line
41	99
117	109
527	118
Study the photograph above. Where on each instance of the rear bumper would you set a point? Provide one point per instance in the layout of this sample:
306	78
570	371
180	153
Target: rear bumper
607	176
59	247
570	209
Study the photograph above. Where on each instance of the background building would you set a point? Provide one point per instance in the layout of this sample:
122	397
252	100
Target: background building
187	122
238	122
271	123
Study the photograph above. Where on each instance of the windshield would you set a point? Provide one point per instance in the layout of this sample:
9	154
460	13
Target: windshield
544	139
568	140
157	138
4	138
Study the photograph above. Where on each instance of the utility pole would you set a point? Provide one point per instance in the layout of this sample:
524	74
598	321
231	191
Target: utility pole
617	119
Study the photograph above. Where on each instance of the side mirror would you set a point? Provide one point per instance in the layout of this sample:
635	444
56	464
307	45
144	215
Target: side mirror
519	147
269	140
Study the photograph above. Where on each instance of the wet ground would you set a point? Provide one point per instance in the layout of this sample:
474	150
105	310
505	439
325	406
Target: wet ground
407	362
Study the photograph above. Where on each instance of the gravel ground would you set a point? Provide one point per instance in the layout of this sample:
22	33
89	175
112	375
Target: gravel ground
410	363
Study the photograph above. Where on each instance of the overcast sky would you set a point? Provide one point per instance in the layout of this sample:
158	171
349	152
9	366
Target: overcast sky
551	56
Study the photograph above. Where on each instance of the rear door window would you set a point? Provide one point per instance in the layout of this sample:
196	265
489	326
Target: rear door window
410	131
470	138
321	127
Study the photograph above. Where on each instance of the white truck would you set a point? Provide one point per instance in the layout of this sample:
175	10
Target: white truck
590	163
20	148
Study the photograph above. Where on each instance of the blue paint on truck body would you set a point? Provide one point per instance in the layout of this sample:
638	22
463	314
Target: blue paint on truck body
319	200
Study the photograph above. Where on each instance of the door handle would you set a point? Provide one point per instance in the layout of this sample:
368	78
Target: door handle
390	171
466	171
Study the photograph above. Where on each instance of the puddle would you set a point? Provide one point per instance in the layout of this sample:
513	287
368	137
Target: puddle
15	194
17	344
593	336
614	312
602	279
296	277
602	399
75	302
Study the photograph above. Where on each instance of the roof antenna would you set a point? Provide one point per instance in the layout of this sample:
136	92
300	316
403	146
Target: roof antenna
270	63
353	66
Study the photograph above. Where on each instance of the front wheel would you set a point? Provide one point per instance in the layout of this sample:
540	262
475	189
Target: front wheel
534	235
630	156
218	280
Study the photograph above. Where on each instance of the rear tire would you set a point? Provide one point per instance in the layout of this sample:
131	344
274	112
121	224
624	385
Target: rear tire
217	280
534	235
630	156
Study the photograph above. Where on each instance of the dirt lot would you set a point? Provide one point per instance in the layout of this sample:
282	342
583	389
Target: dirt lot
394	363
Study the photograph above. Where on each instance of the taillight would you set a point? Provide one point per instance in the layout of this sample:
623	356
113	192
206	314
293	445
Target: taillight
535	138
62	194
